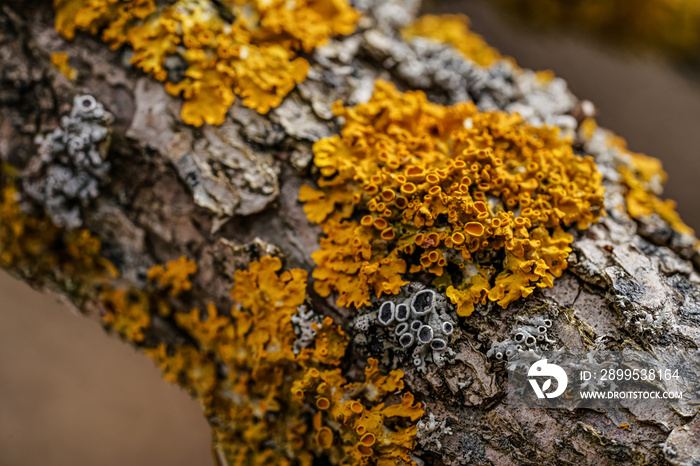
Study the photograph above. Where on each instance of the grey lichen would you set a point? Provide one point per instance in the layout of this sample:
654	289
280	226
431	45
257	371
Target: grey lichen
71	164
431	431
529	335
448	77
387	15
303	322
419	322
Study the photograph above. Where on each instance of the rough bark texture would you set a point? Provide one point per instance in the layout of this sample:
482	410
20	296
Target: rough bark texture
224	196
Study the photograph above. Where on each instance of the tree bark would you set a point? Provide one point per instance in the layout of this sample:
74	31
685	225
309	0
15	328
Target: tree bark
225	196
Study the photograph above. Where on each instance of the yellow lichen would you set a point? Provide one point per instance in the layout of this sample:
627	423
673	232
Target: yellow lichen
330	341
350	420
254	55
644	179
240	365
479	200
34	247
203	329
250	401
186	366
174	276
345	265
60	61
259	417
128	309
266	303
127	312
641	198
37	249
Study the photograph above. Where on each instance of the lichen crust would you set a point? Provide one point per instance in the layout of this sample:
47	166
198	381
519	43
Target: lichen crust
207	51
477	201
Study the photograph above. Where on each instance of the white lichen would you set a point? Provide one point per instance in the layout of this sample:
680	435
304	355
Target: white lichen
71	164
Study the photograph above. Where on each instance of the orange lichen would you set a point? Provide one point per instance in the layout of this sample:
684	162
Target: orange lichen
481	206
174	276
34	247
253	346
60	61
266	303
348	264
186	366
643	173
240	366
37	249
644	178
258	414
331	342
354	415
204	328
253	56
128	309
127	312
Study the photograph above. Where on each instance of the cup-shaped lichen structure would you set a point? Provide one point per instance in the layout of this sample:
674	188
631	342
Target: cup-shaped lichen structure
476	202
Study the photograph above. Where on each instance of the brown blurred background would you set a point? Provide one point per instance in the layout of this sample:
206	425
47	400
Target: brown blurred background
72	396
69	395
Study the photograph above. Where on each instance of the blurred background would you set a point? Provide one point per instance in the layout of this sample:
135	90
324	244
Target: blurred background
69	395
72	396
